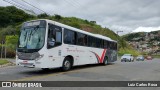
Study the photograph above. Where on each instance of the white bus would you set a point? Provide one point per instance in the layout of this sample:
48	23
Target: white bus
48	44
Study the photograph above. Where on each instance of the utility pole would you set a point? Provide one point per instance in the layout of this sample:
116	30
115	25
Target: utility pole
5	50
117	42
2	49
117	38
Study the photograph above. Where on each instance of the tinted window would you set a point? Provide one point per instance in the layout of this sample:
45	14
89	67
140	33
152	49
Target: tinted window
91	41
81	39
99	43
111	45
105	44
115	46
102	43
69	37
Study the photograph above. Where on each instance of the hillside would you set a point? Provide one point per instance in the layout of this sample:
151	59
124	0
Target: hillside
144	41
11	19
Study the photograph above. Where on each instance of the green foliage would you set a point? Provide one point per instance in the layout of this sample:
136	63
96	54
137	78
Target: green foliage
156	56
10	15
43	15
58	17
11	41
129	37
125	48
123	43
74	24
3	62
128	51
10	30
155	39
155	32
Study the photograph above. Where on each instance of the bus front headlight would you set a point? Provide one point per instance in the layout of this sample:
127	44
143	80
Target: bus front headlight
40	56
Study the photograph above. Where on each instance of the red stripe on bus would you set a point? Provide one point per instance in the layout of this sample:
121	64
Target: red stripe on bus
102	56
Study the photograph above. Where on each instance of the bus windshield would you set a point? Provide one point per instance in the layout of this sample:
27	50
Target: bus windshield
32	38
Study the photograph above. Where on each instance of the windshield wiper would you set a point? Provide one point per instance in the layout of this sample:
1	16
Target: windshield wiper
25	34
34	29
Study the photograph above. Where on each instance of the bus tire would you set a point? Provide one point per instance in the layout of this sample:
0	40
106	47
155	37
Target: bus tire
45	69
105	62
66	64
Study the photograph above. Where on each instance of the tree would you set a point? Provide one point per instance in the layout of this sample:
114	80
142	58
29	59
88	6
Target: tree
43	15
10	15
11	41
10	30
58	17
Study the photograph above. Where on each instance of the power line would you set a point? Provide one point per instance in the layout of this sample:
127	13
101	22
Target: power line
19	6
70	3
15	4
29	10
75	2
18	3
35	7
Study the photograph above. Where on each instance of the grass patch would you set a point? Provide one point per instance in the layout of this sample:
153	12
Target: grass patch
3	62
128	51
156	56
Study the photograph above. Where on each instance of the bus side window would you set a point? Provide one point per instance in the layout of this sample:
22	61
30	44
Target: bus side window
106	44
69	37
89	41
81	39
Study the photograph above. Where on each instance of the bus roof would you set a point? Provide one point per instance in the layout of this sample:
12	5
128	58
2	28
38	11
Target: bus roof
78	30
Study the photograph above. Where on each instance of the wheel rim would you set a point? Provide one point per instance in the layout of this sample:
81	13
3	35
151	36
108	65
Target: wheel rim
67	64
106	62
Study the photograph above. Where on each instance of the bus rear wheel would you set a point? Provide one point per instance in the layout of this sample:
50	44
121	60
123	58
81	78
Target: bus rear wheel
66	64
105	62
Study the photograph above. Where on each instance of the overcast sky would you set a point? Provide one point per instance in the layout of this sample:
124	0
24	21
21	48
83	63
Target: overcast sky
126	15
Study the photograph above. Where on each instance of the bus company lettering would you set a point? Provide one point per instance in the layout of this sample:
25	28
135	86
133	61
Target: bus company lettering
74	50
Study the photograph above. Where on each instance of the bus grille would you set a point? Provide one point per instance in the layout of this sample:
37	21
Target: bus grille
28	56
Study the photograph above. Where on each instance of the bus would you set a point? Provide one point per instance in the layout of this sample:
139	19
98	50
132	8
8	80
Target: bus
49	44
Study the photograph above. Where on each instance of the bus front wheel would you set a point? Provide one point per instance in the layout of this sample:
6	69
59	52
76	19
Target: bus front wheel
45	69
66	64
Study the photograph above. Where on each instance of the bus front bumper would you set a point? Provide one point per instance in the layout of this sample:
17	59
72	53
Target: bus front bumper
26	63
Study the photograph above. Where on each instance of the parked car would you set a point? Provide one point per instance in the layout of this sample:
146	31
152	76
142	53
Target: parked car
149	58
140	58
127	58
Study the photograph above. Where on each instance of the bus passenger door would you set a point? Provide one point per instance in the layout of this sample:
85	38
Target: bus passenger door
54	42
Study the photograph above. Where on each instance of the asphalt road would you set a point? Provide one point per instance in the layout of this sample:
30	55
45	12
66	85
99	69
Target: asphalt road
117	71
